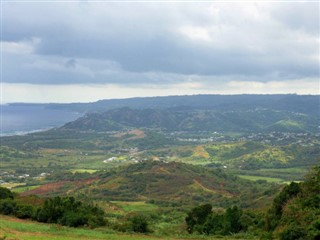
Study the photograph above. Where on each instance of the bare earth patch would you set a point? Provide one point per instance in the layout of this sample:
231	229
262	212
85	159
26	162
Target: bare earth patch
136	132
56	187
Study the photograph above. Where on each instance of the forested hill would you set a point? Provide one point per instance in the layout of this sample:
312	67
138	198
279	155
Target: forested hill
164	183
189	119
306	104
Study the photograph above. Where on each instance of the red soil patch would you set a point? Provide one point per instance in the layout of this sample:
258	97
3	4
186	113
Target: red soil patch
220	190
56	187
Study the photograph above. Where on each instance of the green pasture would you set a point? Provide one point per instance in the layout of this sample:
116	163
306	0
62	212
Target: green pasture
12	228
74	161
12	185
293	170
82	170
26	230
135	206
255	178
24	188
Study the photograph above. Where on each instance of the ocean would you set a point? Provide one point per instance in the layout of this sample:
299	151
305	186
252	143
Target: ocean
19	119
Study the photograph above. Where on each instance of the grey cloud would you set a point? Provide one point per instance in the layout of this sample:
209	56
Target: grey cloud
303	16
125	42
168	55
71	63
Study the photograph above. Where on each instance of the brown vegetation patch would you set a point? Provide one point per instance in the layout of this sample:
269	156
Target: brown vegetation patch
159	169
56	187
51	151
198	183
136	132
201	152
46	188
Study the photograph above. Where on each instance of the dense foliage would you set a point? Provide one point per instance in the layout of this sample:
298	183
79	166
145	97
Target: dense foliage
5	193
203	220
295	214
297	209
67	211
63	210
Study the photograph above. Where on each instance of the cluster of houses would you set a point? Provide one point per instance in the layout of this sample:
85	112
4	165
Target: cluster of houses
306	139
6	177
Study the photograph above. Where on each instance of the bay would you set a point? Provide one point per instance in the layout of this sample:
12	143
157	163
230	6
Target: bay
17	119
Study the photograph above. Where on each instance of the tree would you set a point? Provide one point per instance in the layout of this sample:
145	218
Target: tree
198	216
231	222
139	223
24	211
7	206
293	232
298	208
73	219
274	215
213	224
5	193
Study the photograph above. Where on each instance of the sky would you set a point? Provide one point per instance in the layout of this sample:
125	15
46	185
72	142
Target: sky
83	51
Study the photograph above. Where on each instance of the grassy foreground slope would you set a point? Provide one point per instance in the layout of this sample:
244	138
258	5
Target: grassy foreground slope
13	228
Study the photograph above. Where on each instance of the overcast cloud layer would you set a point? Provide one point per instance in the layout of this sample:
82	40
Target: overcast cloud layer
179	48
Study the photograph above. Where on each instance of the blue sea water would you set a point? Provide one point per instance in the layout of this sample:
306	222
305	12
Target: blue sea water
21	119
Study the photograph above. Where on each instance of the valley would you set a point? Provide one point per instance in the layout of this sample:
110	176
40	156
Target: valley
157	164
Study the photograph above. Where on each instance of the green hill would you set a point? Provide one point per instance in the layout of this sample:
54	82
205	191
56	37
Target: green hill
306	104
165	184
253	155
188	119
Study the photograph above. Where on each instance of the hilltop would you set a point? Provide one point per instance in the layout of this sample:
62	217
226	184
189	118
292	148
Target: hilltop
307	104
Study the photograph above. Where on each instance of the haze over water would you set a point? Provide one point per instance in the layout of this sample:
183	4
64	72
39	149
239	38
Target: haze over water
20	119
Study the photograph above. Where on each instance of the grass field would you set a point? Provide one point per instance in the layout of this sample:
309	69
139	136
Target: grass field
135	206
83	170
23	188
14	229
294	170
12	185
255	178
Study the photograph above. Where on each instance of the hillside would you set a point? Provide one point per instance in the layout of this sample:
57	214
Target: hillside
253	120
306	104
164	184
294	214
253	155
13	228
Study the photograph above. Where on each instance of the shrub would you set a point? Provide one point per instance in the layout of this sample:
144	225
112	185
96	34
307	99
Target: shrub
197	216
73	219
8	206
293	232
139	223
24	211
5	193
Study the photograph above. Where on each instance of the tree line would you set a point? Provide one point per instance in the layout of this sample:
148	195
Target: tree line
66	211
